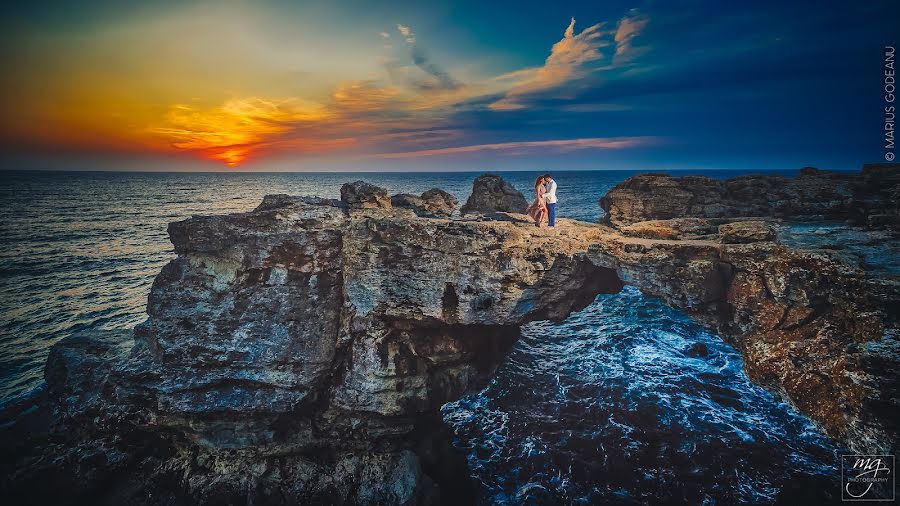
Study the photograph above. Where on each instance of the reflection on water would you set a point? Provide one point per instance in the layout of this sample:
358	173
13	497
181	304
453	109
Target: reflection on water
629	401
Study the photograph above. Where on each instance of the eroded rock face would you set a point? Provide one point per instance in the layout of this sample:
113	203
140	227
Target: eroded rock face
491	194
301	351
304	349
813	327
679	228
746	231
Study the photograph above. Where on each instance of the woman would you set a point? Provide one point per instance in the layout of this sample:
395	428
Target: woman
538	209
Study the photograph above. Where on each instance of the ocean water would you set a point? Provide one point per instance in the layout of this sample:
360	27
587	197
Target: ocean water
630	402
608	406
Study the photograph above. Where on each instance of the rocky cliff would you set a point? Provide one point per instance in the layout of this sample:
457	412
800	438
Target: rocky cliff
299	353
816	324
871	197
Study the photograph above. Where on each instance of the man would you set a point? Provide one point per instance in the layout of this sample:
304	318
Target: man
550	198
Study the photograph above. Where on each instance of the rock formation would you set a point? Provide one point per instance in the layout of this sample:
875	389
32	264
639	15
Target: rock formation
814	328
492	194
299	353
362	195
871	197
302	351
433	203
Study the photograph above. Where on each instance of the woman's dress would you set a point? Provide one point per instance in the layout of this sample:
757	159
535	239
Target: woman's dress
536	210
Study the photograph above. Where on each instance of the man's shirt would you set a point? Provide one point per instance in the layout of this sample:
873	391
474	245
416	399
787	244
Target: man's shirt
550	196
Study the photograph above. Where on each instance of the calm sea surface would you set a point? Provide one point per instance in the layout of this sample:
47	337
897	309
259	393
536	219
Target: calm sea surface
607	406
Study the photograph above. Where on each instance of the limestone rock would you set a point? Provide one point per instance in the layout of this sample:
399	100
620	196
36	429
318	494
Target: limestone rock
678	228
815	194
746	231
363	195
432	203
438	202
408	201
490	194
301	351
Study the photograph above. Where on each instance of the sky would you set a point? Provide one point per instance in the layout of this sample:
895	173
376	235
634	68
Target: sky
418	86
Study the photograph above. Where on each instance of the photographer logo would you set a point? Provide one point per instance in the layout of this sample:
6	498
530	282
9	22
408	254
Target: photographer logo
867	478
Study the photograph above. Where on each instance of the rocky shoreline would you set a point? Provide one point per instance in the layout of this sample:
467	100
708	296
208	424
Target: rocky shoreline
300	352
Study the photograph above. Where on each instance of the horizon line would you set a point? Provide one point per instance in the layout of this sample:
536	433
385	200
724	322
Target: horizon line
426	171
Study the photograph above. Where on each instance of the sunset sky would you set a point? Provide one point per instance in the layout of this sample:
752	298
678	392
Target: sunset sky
396	85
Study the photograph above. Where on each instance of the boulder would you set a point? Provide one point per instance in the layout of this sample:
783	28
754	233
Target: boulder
491	194
363	195
437	202
408	201
697	350
432	203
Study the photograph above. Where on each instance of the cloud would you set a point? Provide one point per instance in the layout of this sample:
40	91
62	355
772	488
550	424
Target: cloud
630	27
385	35
357	114
407	34
421	136
236	130
420	109
567	61
364	96
442	79
512	148
438	79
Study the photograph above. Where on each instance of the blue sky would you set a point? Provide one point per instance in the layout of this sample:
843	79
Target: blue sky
445	86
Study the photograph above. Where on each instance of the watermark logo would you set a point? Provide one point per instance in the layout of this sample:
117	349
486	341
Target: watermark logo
867	478
890	109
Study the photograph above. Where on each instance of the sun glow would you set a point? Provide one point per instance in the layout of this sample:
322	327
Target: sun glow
237	130
262	89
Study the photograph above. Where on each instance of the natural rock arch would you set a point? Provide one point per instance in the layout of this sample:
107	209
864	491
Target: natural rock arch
303	349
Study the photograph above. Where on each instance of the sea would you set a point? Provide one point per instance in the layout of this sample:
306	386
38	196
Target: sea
611	406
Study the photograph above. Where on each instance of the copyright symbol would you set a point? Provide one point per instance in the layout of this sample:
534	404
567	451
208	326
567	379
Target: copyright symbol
889	157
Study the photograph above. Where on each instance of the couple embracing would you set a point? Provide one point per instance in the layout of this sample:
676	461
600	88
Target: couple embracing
543	209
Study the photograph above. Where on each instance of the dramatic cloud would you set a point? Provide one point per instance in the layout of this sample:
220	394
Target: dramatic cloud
406	115
517	148
567	61
310	82
238	129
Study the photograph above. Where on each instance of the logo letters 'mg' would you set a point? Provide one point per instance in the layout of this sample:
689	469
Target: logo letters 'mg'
866	471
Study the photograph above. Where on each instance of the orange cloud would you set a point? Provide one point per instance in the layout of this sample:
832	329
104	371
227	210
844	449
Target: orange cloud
366	112
364	96
109	95
566	62
252	127
629	28
236	130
